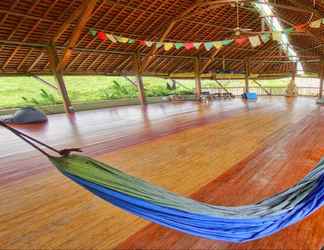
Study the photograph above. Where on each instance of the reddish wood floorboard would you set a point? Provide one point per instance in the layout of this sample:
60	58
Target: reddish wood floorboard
106	130
288	156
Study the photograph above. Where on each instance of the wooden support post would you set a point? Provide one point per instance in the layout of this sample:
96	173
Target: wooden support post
139	78
321	78
247	74
197	78
292	89
53	60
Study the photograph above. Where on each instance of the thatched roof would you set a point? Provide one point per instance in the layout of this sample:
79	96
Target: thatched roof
28	26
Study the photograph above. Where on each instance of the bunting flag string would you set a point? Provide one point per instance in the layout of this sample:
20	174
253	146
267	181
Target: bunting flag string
254	41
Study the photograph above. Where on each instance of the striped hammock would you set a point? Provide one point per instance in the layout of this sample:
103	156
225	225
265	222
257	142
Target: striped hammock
233	224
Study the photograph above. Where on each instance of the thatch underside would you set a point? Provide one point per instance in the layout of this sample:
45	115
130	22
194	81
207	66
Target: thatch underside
28	26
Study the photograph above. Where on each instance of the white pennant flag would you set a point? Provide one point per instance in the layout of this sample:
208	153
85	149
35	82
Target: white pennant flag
255	41
316	24
111	38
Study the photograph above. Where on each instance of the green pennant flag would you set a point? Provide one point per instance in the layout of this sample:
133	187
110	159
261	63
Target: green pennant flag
131	41
179	45
226	42
93	31
265	37
288	30
208	45
158	45
197	45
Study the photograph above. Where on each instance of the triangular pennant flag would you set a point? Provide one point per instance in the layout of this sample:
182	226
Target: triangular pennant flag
197	45
208	45
141	42
241	40
276	36
316	24
218	45
148	43
265	37
255	41
121	39
300	28
288	30
158	45
189	46
179	45
168	46
131	41
102	36
226	42
111	38
93	31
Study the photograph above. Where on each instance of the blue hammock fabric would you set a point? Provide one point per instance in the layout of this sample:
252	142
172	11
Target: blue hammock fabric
232	224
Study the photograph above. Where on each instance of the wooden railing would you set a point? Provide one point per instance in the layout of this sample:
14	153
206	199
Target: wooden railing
274	91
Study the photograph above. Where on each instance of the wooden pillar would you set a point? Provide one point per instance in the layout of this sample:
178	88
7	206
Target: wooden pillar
53	59
139	78
247	74
292	89
197	78
321	78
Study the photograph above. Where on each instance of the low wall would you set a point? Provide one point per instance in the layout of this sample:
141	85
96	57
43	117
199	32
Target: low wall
56	109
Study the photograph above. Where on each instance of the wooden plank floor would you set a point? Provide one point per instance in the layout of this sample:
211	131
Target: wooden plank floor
226	152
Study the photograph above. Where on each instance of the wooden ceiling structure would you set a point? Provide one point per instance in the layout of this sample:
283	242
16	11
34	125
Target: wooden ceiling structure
51	36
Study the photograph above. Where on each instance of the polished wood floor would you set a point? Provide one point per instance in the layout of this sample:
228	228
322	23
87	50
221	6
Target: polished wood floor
225	152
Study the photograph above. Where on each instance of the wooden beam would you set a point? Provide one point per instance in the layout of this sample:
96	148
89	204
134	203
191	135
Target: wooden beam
139	78
260	85
307	7
131	81
197	78
36	61
53	59
44	81
222	86
87	8
210	61
321	78
151	55
76	14
247	74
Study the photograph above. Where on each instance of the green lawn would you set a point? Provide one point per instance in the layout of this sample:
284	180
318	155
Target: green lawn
24	91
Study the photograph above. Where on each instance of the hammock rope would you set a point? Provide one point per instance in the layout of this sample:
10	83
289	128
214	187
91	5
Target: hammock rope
233	224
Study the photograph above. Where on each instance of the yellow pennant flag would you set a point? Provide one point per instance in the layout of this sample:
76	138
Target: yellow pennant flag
122	39
276	36
168	46
316	24
218	45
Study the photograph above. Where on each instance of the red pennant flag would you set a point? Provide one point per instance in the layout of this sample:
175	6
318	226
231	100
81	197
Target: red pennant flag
141	42
102	36
241	41
189	46
300	27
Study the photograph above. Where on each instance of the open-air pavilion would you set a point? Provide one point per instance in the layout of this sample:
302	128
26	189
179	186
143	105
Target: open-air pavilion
210	145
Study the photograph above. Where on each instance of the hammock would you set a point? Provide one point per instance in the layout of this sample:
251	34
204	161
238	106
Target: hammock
233	224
